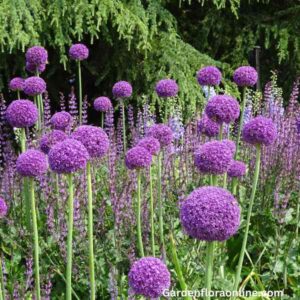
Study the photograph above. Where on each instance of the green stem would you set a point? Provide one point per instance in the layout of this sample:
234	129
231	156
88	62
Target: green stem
209	268
124	125
138	216
234	185
70	238
18	95
214	180
254	185
152	214
241	123
23	140
90	231
297	220
221	132
225	181
80	91
2	288
35	239
102	119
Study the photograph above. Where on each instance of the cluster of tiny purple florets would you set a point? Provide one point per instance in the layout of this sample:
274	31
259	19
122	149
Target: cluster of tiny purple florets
61	121
17	84
122	89
209	75
208	127
3	208
102	104
151	144
50	139
237	169
230	145
210	214
166	88
36	55
245	76
162	133
137	158
34	86
35	68
79	52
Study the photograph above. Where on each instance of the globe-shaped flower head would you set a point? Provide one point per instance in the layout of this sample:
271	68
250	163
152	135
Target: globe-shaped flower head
61	121
21	113
79	52
34	86
230	144
102	104
68	156
32	163
260	130
93	138
35	68
222	109
237	169
122	89
213	158
16	84
162	133
209	75
3	208
149	277
138	158
36	55
50	139
166	88
245	76
210	214
208	127
151	144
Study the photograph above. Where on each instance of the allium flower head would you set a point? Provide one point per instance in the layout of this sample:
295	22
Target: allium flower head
16	84
222	109
245	76
22	113
213	157
137	158
35	68
3	208
162	133
61	121
93	138
36	55
102	104
50	139
230	144
149	277
208	127
79	52
166	88
32	163
237	169
68	156
34	85
209	75
210	214
260	130
151	144
122	89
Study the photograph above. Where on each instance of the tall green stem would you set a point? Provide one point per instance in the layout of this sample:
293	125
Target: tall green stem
241	123
234	185
138	216
70	238
221	132
90	231
35	239
124	126
23	140
102	119
209	268
80	91
18	95
2	288
152	214
254	185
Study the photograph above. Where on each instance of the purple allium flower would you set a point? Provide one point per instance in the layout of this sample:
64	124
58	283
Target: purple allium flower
68	156
222	109
102	104
209	75
162	133
208	127
151	144
237	169
213	157
137	158
166	88
149	277
122	89
93	138
230	144
61	121
22	113
260	130
3	208
79	52
36	55
32	163
35	68
50	139
34	85
245	76
210	214
16	84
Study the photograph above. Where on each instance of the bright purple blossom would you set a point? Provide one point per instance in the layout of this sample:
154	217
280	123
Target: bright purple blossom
22	113
122	89
35	68
34	86
149	277
16	84
210	214
36	55
50	139
209	75
79	52
151	144
3	208
61	121
166	88
137	158
102	104
208	127
32	163
245	76
230	144
162	133
237	169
